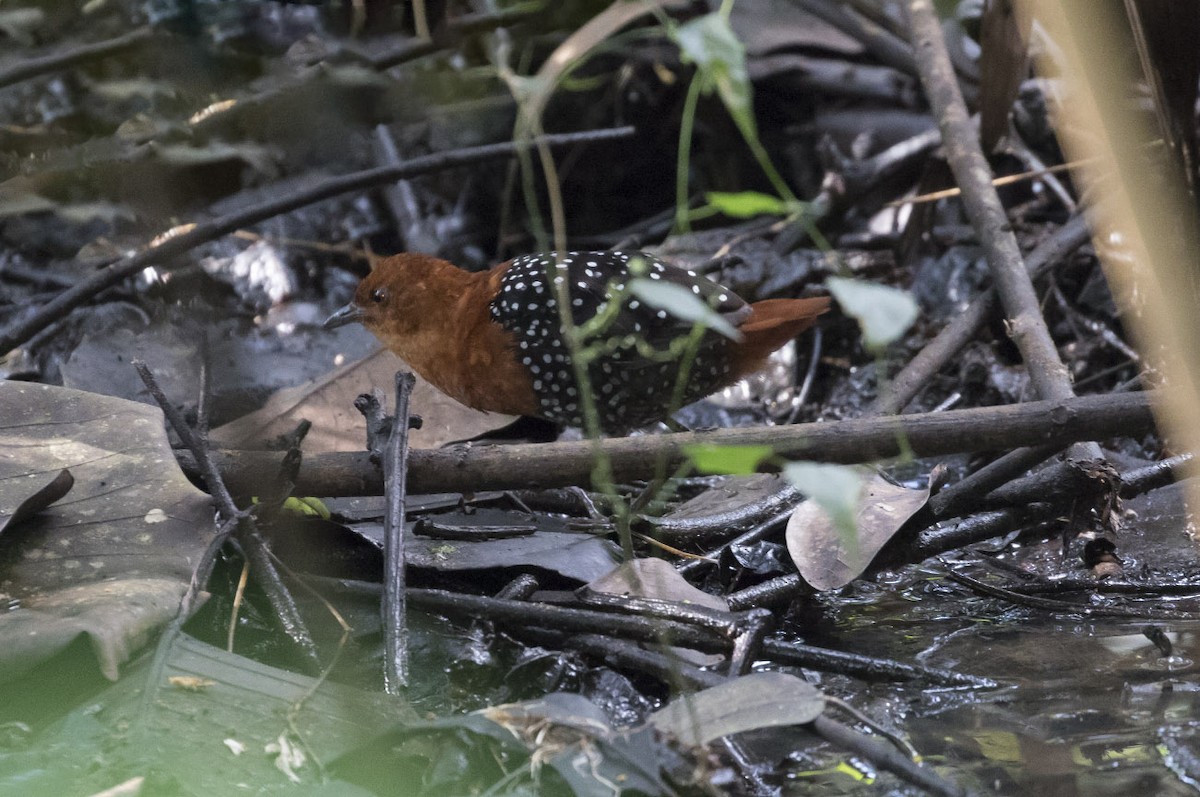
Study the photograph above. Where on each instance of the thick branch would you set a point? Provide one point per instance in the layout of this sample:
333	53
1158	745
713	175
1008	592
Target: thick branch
974	177
468	468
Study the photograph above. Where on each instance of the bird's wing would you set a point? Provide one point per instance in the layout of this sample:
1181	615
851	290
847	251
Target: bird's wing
594	278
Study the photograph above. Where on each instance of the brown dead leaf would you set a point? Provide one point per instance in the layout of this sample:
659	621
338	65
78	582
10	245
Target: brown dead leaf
824	557
328	403
655	578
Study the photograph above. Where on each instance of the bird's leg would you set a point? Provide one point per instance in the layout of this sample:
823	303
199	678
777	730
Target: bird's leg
675	426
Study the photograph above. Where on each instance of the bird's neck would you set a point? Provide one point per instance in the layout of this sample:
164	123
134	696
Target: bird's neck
435	317
457	347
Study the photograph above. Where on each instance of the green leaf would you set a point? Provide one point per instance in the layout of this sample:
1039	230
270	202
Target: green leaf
710	43
681	303
747	204
737	460
308	507
835	488
883	313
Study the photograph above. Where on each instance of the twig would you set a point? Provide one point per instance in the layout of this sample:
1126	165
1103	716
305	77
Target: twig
850	179
1008	179
884	756
238	595
204	567
987	525
454	30
858	716
723	622
379	425
935	541
890	49
976	528
395	470
1061	482
1066	607
30	67
850	441
723	524
1158	474
961	496
869	668
252	543
190	236
529	617
1073	585
976	489
630	656
520	613
780	515
747	645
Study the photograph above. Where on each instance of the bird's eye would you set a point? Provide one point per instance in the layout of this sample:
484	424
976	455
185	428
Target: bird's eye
379	295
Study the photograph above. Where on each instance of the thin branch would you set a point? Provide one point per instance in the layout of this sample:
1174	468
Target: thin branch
885	757
1067	607
252	543
31	66
967	492
395	471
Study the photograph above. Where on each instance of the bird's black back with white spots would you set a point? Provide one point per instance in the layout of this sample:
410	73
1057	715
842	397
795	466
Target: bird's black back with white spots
631	386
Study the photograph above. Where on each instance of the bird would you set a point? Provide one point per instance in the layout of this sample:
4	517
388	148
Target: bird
495	340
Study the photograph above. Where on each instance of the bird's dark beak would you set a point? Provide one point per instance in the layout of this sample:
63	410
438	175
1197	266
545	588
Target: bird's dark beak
350	314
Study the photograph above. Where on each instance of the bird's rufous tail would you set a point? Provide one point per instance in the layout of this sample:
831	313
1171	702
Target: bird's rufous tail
772	323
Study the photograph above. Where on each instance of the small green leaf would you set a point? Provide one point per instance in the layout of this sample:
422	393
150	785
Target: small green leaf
883	313
736	460
307	507
681	303
835	488
747	204
710	43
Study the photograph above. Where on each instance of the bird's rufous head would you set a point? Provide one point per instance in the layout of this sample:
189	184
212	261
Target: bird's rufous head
392	296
